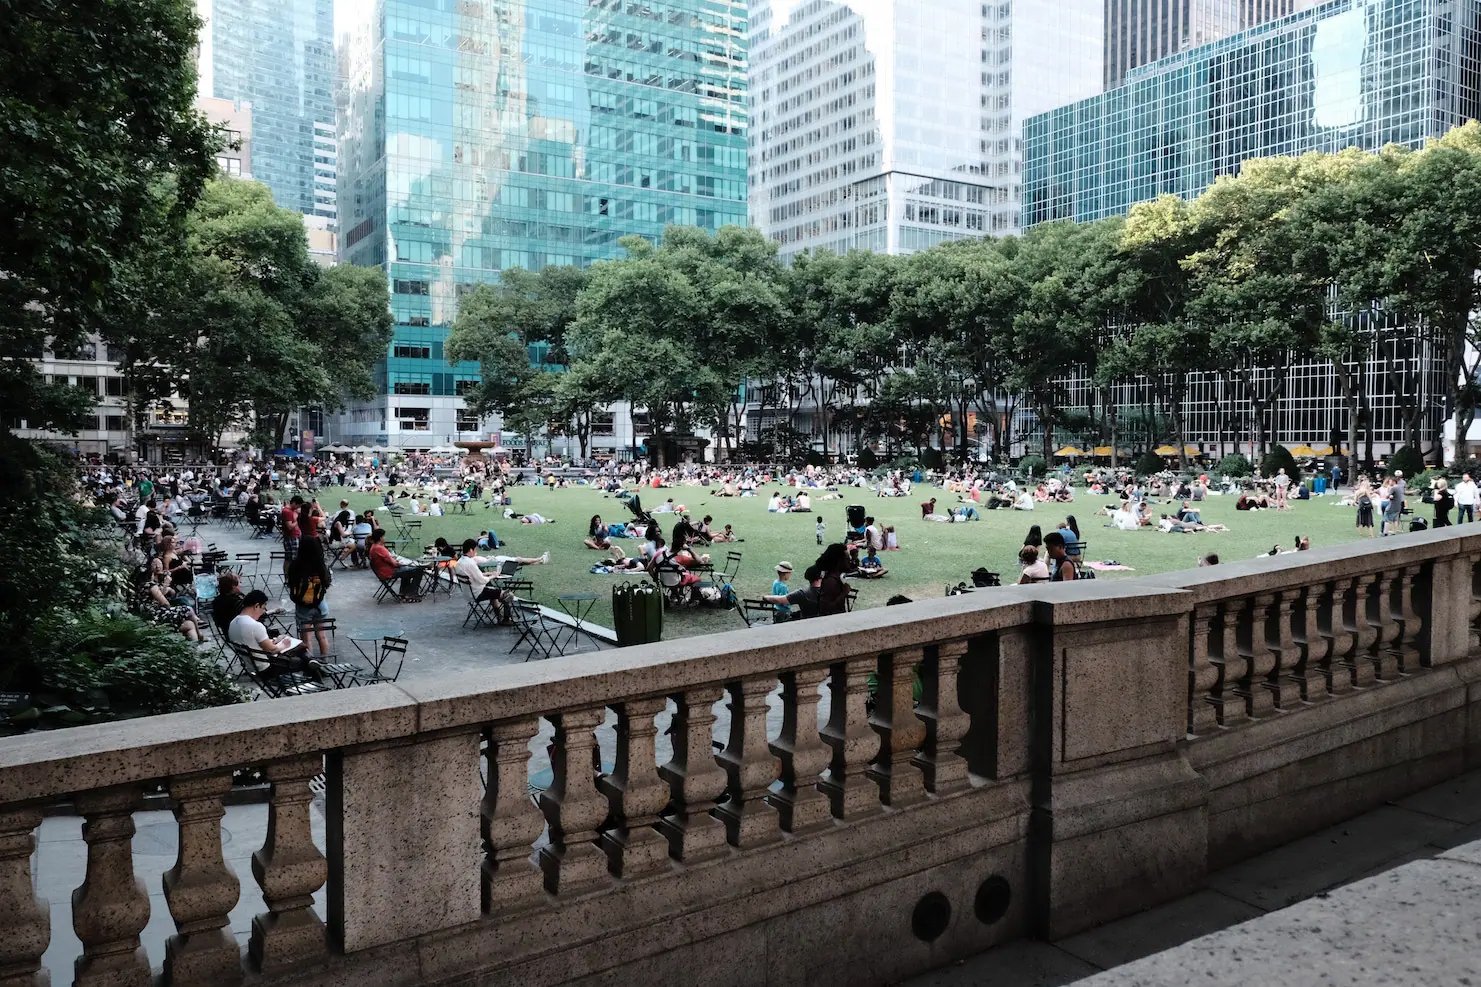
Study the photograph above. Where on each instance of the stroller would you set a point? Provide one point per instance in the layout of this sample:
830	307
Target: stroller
635	504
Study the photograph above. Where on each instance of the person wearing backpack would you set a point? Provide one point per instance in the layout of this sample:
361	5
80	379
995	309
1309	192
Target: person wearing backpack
308	586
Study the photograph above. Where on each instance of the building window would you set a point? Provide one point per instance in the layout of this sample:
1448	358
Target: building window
412	387
463	387
406	287
231	166
414	419
113	386
113	423
467	421
412	351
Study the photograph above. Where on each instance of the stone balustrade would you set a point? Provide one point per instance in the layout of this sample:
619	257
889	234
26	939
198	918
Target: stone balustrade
845	800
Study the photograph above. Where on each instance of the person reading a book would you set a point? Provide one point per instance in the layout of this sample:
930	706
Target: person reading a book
274	654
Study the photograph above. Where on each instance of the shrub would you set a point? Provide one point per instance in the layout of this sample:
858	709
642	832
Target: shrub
1407	459
931	460
1148	463
1420	482
1234	465
100	664
1277	459
867	459
1033	465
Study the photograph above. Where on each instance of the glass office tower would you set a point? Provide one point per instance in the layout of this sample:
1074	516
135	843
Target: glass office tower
893	125
482	135
277	55
1142	31
1349	73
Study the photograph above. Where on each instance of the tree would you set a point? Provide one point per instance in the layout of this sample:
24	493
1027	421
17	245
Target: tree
670	327
95	109
242	323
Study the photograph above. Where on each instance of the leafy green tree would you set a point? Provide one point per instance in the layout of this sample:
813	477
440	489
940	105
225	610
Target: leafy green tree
670	327
95	109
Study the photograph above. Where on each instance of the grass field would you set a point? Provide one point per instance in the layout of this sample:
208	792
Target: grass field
930	556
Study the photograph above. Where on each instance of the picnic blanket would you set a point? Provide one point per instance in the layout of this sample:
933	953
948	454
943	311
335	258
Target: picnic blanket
1110	566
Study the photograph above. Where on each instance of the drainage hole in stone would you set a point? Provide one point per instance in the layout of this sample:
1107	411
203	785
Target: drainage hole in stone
931	916
991	903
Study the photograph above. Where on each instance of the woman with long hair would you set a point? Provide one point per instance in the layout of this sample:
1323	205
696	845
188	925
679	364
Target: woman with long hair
1035	537
308	586
832	592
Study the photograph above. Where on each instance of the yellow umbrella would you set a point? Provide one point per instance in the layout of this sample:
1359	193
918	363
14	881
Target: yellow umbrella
1190	450
1101	451
1303	451
1165	451
1323	451
1070	451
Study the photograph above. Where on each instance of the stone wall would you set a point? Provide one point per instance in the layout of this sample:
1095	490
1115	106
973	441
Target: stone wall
1078	752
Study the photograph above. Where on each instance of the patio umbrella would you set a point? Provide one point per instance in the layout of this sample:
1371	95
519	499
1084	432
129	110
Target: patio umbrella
441	450
1101	451
1191	450
287	453
1303	451
1070	451
361	449
1165	450
1325	451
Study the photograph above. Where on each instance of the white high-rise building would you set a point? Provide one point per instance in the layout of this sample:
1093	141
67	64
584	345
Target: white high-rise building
892	125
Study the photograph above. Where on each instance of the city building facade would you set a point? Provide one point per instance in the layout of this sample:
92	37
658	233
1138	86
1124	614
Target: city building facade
279	56
1142	31
496	134
1348	73
893	125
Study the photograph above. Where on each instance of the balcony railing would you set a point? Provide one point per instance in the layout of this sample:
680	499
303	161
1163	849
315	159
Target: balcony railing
1037	758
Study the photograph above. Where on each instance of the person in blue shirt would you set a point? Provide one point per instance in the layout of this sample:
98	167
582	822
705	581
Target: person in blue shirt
781	612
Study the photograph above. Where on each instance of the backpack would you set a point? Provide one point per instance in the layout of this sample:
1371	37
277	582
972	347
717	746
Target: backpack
307	592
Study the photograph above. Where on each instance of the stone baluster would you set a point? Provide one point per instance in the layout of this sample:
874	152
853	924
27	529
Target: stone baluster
27	917
852	739
941	759
574	809
1340	638
1355	620
749	767
510	825
635	793
1254	643
801	803
1411	623
1283	652
695	780
1309	676
1474	622
1203	674
902	733
1378	612
289	868
200	889
112	906
1231	699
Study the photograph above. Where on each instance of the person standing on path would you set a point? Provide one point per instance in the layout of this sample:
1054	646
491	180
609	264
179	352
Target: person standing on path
1465	499
1282	489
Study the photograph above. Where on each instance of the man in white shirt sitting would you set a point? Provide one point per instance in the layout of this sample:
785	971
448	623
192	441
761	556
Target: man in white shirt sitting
270	653
484	586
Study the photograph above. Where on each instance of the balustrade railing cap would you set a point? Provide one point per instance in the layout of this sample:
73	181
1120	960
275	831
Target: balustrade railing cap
1269	573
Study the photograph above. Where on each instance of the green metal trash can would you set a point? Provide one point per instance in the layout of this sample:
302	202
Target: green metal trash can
637	614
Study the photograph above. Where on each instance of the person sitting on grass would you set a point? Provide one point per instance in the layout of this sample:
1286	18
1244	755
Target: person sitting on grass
1062	568
1035	570
870	566
596	535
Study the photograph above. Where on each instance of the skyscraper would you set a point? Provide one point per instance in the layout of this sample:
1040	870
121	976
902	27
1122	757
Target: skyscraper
279	56
892	125
1142	31
1348	73
493	134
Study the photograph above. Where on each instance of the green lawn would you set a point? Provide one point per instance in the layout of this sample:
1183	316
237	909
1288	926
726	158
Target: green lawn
930	556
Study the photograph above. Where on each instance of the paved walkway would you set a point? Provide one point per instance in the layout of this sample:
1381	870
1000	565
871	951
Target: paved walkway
1394	925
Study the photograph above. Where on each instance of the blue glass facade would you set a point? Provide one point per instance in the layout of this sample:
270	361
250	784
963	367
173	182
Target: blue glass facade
279	56
483	135
1349	73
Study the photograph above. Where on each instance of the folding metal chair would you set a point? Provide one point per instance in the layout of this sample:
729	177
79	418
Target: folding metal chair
754	611
275	685
529	620
731	568
390	647
480	612
342	674
390	589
